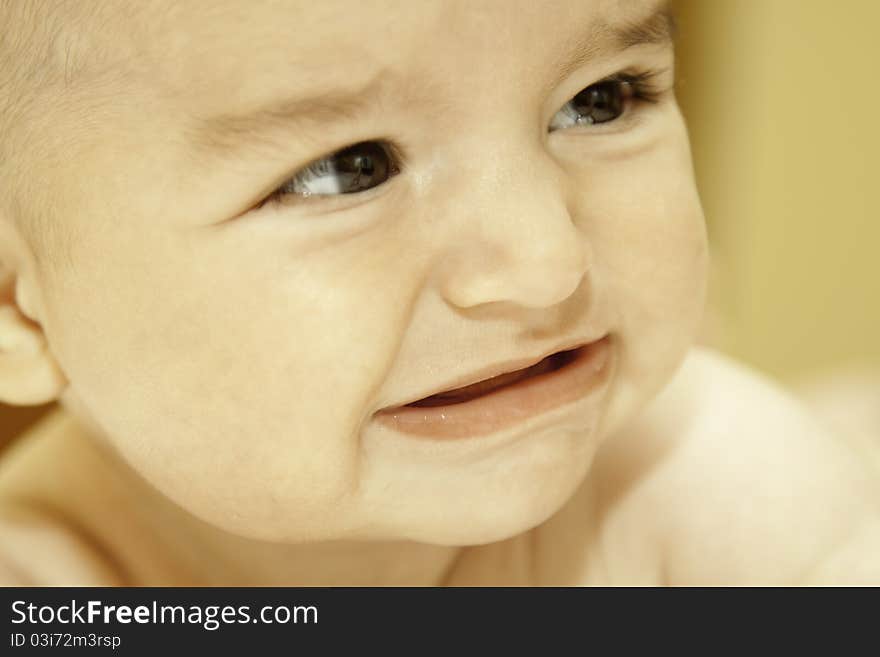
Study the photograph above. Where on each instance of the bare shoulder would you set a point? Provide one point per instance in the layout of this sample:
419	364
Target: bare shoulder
40	549
730	480
42	543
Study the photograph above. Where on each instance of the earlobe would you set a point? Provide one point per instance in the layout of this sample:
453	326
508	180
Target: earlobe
29	373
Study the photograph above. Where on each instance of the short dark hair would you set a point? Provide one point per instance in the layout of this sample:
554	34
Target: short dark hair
38	57
28	42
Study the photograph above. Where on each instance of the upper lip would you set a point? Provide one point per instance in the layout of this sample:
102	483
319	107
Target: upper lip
496	369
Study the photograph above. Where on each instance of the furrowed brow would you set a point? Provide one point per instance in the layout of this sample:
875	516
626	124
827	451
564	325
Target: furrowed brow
227	133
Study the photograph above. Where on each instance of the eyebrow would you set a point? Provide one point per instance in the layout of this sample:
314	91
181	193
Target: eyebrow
658	27
227	132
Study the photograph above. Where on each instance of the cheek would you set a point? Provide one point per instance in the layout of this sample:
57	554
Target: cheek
651	257
236	383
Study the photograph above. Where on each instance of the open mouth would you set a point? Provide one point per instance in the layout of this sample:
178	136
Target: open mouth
504	401
551	363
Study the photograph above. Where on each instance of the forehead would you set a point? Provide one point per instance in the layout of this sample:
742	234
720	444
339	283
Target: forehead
228	49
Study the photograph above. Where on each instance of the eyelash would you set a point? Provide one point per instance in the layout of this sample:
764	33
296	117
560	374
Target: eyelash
644	84
642	88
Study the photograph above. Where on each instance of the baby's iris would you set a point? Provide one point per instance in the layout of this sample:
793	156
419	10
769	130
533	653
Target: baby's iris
354	169
598	103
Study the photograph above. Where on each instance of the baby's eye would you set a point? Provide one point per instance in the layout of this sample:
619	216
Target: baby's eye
604	101
353	169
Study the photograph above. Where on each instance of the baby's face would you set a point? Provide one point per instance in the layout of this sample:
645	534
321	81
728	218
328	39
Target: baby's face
507	194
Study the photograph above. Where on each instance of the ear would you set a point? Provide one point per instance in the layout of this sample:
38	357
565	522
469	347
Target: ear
29	373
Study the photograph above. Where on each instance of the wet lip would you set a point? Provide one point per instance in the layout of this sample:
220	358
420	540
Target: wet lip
495	402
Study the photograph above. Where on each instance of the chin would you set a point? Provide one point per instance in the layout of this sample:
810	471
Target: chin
492	527
498	517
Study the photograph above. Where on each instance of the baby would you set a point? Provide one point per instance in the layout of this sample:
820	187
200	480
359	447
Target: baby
381	293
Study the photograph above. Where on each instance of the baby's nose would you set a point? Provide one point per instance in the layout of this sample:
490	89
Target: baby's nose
515	239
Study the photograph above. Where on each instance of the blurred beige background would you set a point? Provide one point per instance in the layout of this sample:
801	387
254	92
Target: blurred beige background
783	109
783	106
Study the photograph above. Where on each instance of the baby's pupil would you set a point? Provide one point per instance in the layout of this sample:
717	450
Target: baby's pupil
600	102
361	166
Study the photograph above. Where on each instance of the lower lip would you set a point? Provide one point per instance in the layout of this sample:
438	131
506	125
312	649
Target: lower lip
506	406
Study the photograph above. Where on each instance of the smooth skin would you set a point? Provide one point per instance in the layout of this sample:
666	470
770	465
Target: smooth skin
219	360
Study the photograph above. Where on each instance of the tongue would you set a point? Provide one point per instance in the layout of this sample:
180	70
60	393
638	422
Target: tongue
459	395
